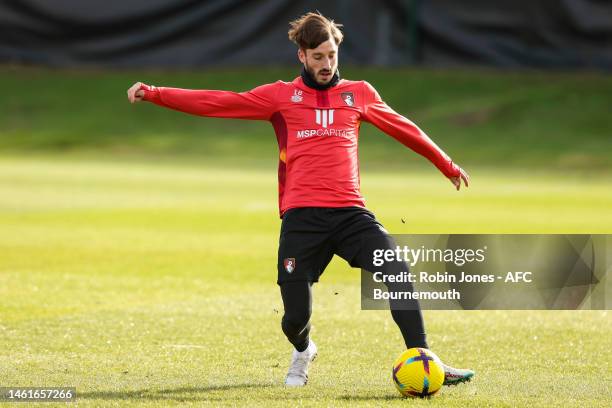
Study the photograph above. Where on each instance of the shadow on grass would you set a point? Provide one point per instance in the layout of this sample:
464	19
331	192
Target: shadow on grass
206	393
380	398
179	394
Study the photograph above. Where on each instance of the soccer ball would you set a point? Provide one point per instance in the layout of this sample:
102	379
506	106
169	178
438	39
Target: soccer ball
418	372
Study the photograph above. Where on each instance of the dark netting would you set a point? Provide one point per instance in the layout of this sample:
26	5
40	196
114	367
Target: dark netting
194	33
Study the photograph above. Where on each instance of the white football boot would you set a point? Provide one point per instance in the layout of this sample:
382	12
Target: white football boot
453	376
297	376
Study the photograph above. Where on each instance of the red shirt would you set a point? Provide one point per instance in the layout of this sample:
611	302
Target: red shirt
317	133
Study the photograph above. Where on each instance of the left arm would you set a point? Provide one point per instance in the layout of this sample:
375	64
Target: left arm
406	132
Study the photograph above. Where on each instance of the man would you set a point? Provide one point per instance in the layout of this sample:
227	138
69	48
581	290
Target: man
316	118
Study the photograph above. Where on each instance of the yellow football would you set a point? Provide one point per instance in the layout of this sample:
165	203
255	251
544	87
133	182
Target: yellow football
418	372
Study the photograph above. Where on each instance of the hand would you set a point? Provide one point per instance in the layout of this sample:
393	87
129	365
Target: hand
462	176
135	94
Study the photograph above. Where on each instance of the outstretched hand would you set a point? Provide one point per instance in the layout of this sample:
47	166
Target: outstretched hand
135	94
462	176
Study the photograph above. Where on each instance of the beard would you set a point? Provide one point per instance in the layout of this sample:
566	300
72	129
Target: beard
314	74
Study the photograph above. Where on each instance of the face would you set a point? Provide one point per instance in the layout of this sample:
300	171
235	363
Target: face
321	62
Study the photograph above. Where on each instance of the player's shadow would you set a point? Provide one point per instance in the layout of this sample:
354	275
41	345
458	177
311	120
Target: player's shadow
371	398
206	393
178	394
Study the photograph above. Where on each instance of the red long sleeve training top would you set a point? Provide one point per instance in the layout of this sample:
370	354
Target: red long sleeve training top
317	133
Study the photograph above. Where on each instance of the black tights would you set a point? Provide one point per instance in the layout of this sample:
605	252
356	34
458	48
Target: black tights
297	300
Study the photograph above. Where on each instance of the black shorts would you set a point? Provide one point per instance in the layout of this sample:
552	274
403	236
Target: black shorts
311	236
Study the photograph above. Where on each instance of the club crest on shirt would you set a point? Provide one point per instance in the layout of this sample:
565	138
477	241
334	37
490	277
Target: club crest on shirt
297	96
289	264
348	98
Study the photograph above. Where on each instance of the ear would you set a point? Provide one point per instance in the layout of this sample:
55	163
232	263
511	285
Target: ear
301	56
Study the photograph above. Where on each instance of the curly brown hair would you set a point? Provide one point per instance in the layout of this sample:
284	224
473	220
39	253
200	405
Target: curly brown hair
312	29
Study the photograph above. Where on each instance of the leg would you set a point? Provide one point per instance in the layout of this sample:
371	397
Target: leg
355	242
297	300
357	237
406	313
303	253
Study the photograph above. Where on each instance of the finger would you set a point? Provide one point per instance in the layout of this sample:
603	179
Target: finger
466	179
456	182
132	92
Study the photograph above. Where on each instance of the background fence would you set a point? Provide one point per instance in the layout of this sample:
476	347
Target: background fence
564	34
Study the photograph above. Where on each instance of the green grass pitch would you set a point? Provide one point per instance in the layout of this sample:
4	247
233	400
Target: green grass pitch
153	284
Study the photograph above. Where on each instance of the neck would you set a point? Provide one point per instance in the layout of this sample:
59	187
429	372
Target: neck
312	83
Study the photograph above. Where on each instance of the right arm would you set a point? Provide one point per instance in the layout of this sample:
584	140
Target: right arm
256	104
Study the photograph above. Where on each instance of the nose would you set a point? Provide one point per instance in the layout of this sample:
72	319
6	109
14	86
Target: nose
328	63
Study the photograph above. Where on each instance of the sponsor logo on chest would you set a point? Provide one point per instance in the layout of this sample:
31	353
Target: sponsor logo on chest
324	118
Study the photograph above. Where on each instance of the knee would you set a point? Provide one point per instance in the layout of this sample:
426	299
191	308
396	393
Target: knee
295	323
